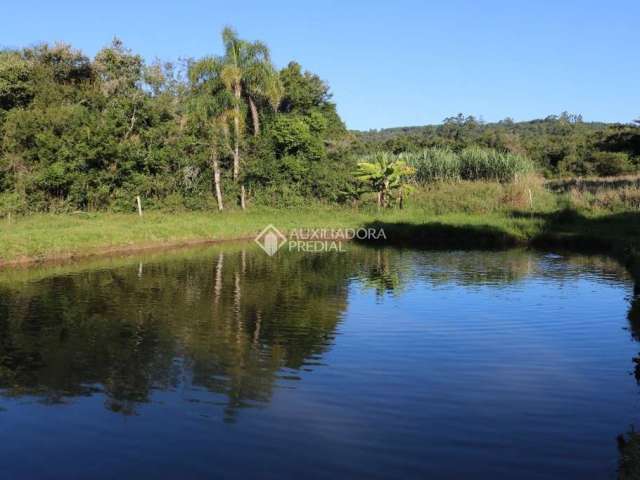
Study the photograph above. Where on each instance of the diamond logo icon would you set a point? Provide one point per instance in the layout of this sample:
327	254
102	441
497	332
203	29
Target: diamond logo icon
270	239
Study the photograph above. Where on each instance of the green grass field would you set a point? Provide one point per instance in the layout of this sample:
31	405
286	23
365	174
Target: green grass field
445	215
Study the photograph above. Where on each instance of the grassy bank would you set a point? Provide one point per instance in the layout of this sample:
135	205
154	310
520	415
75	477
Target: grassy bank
468	214
45	237
56	236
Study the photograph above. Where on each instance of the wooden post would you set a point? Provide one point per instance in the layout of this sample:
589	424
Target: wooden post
139	205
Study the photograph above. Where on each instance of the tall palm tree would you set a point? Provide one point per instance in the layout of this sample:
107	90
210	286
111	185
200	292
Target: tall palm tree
250	74
243	78
247	72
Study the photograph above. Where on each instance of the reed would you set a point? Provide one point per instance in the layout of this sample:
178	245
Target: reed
472	163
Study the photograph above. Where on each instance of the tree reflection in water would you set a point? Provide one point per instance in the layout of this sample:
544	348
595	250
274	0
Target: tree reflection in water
226	321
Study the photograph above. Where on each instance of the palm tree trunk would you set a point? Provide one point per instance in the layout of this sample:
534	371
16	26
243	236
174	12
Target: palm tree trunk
255	117
216	179
236	126
384	194
256	132
236	147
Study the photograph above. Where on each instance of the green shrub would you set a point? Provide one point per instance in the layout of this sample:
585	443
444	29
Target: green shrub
12	204
608	164
280	196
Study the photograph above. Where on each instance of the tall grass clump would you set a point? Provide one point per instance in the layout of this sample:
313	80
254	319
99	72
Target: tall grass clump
472	163
434	165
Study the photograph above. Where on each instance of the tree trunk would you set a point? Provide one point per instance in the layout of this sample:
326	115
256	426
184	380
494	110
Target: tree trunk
236	126
236	151
216	180
379	200
255	117
132	124
256	132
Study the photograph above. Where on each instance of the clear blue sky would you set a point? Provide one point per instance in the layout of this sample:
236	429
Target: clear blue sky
389	63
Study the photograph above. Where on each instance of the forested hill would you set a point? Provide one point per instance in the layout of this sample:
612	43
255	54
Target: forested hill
559	144
534	126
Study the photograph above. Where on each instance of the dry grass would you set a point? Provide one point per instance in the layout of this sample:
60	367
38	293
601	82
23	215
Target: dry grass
625	199
593	184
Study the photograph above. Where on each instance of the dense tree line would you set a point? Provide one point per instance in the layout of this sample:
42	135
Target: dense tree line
224	131
80	133
559	144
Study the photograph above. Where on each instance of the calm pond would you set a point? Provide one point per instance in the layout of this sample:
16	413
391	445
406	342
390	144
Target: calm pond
375	363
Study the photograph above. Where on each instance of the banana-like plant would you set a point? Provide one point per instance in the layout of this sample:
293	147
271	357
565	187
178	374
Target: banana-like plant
384	174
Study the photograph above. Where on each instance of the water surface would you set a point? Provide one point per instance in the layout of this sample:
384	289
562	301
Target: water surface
375	363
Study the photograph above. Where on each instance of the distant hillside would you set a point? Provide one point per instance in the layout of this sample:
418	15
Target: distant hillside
534	126
559	144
